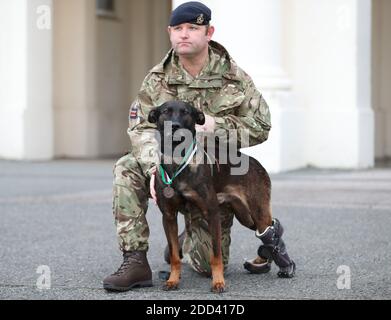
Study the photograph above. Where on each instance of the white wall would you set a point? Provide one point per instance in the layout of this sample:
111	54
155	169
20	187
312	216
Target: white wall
256	45
13	95
328	59
38	115
311	60
26	81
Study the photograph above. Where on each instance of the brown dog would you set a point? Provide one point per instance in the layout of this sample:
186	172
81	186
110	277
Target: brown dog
248	195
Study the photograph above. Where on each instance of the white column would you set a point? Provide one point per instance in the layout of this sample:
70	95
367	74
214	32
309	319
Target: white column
26	124
251	30
330	66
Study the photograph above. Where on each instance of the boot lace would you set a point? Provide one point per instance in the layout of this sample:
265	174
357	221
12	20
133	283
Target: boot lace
129	258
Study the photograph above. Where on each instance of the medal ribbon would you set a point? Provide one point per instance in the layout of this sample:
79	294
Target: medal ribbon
165	177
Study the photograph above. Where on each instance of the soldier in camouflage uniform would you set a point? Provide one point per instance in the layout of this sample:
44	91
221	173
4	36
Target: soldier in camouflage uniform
223	92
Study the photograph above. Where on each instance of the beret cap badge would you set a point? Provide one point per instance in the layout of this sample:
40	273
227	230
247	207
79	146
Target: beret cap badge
200	19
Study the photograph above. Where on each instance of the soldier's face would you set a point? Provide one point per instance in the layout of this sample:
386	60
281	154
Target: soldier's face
190	39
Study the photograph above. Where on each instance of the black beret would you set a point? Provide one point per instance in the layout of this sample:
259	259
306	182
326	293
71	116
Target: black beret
191	12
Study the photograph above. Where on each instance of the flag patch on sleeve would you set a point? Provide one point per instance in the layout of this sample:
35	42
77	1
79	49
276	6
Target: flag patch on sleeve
133	112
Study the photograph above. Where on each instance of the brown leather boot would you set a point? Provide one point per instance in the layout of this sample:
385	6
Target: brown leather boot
134	272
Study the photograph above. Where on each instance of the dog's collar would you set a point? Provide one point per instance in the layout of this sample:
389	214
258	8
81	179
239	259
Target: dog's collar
185	161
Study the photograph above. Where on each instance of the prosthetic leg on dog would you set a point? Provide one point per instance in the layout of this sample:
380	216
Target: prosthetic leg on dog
274	248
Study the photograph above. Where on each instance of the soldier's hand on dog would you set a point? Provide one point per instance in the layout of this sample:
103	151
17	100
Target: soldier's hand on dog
208	126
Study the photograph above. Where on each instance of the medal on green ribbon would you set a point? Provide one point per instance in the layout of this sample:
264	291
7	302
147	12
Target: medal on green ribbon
168	191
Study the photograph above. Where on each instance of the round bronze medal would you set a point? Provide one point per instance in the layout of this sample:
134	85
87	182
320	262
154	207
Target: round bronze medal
168	192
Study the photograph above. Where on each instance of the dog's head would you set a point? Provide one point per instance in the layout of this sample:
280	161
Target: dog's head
177	114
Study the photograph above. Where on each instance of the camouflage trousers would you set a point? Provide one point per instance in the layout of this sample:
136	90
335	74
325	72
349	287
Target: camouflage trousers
130	204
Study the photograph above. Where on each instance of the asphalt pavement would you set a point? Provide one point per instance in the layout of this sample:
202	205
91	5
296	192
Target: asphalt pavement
57	236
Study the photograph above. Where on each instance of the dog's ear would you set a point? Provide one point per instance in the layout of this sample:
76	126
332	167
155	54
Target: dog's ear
153	115
200	117
197	115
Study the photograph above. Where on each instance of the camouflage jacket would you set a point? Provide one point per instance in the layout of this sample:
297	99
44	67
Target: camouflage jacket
221	90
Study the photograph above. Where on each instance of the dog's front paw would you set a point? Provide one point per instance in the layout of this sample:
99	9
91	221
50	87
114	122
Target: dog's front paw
171	285
218	287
